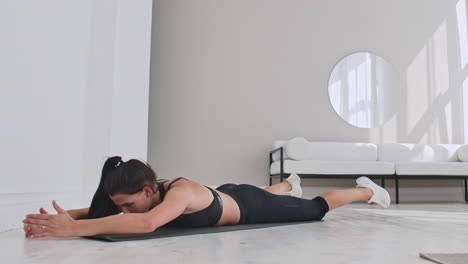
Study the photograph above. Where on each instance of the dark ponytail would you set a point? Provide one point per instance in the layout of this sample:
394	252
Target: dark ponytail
119	177
102	205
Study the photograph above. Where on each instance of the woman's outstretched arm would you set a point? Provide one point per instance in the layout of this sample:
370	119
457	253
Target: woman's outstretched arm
63	225
174	204
115	224
78	214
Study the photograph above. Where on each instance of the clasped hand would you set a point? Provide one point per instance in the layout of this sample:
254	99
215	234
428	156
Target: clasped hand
49	225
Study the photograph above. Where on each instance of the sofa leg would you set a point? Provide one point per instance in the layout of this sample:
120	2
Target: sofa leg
397	193
270	180
466	190
383	183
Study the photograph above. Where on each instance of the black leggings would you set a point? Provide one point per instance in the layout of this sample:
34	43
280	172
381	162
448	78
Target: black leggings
259	206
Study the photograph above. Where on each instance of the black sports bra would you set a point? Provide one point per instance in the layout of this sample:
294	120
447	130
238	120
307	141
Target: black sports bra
205	217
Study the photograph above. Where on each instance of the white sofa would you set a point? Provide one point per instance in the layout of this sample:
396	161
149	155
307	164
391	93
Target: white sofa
382	161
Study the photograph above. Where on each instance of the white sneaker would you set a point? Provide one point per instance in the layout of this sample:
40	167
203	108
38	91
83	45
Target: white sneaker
380	197
295	182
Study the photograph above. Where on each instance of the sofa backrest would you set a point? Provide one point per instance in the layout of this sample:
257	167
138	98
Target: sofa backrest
404	152
301	149
338	151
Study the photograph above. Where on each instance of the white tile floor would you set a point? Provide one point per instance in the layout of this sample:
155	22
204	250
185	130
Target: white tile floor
356	233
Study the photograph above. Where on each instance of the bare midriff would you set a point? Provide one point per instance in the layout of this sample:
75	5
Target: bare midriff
231	211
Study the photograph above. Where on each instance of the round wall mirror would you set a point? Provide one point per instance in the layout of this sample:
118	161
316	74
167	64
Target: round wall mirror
364	90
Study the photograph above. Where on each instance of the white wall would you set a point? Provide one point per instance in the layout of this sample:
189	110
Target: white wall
116	105
230	77
73	90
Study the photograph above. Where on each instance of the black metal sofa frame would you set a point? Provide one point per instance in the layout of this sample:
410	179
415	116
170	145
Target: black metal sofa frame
395	176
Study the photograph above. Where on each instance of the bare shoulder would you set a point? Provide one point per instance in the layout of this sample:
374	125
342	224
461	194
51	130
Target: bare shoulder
191	196
186	184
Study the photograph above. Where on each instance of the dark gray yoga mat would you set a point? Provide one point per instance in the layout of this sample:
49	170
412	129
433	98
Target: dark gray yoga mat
186	231
453	258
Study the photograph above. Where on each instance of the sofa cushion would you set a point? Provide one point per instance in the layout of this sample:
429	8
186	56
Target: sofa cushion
395	152
333	167
301	149
297	148
431	168
462	153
